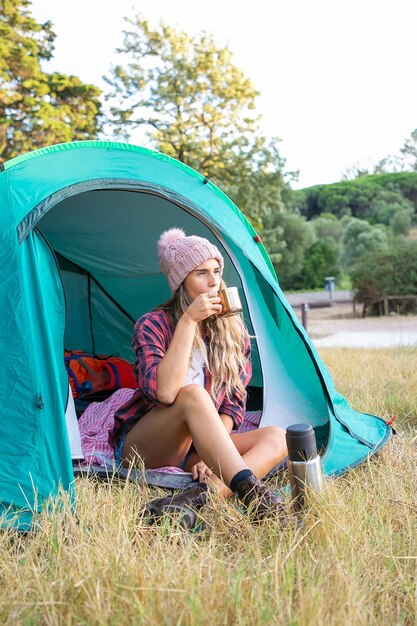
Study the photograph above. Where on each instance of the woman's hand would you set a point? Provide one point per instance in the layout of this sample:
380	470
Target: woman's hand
203	306
200	472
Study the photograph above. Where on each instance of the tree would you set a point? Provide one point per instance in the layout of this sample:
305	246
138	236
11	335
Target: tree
356	170
402	221
393	210
198	107
409	150
358	197
320	260
262	195
335	201
328	229
193	102
386	272
38	108
297	237
390	163
360	239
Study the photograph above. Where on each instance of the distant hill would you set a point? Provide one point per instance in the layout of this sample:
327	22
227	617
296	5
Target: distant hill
358	197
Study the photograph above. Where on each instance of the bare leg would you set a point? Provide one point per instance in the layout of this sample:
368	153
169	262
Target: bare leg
261	450
163	436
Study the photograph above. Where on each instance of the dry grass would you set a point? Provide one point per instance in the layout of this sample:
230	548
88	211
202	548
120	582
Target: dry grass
382	382
352	562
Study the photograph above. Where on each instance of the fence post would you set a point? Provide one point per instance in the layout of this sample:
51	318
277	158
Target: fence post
329	282
304	316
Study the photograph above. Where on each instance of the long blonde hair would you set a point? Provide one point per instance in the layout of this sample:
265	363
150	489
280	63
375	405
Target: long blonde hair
224	351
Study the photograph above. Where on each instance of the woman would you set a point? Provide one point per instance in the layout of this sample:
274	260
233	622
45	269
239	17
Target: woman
192	368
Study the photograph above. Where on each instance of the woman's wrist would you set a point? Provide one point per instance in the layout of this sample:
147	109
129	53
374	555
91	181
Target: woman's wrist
187	319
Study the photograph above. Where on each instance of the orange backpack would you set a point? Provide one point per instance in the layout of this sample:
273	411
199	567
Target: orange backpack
89	373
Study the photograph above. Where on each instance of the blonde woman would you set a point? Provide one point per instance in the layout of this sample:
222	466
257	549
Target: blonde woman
192	368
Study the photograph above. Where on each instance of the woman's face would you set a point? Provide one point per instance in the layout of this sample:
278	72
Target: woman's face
205	277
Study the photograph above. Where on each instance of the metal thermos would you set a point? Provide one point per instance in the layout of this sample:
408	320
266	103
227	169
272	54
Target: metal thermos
304	463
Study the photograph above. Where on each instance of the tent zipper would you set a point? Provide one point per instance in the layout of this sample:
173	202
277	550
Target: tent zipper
42	236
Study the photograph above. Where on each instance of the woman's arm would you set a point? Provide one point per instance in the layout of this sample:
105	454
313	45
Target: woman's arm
173	367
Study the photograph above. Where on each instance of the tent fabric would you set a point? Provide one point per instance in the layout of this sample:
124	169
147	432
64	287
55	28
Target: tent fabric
78	229
34	447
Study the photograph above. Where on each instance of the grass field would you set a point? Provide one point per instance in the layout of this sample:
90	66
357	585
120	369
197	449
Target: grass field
354	561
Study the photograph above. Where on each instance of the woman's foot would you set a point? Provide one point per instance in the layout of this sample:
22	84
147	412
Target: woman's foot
185	504
260	501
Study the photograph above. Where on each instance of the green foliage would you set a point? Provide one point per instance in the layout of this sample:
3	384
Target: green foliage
360	239
392	209
297	237
261	195
38	108
360	217
320	260
386	272
336	203
359	197
401	221
328	228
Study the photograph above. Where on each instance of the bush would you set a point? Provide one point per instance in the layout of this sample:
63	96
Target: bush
360	239
356	197
320	260
386	272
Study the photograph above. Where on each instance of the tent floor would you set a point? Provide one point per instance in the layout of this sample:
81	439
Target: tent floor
148	477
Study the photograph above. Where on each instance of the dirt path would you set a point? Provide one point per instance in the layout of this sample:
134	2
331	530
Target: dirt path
342	327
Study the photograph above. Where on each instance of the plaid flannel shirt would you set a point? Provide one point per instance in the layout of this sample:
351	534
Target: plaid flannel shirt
152	335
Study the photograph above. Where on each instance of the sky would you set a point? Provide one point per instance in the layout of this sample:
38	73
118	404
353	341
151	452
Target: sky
337	78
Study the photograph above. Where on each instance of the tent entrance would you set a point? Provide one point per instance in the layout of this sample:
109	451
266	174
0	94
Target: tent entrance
105	245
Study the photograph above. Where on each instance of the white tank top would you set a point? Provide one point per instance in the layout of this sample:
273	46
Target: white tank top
195	373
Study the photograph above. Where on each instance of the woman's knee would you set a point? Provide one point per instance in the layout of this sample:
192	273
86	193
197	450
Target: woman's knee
274	436
191	396
193	402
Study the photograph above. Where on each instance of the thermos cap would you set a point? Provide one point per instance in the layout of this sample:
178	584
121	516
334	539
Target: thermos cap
301	442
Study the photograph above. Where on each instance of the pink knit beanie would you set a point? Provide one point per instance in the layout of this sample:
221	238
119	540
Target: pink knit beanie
179	255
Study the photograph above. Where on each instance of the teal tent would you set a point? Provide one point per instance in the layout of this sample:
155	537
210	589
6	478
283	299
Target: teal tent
79	225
